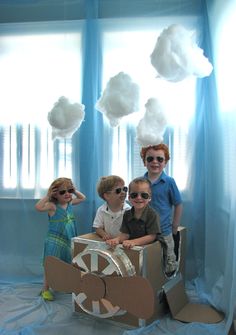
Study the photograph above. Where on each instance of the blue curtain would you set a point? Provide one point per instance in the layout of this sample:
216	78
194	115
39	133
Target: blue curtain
205	182
213	206
90	155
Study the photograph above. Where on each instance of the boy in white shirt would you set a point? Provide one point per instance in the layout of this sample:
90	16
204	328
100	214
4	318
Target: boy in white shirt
109	216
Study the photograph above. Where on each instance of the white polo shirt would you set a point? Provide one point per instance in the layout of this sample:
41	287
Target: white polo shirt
108	220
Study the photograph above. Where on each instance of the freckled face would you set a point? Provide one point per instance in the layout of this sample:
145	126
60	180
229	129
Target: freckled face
155	167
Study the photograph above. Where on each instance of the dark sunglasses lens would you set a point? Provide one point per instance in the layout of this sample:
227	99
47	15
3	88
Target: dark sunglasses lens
124	189
145	195
150	159
160	159
62	192
134	195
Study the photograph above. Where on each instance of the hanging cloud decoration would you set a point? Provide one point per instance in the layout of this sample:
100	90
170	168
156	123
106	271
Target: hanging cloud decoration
120	98
177	56
65	118
151	127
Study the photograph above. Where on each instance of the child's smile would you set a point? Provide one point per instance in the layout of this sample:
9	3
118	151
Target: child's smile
155	161
139	196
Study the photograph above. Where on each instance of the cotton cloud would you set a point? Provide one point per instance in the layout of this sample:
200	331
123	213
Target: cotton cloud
65	118
120	98
151	127
177	56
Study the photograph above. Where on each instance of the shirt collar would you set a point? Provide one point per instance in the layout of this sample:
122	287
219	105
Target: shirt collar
143	216
107	209
162	177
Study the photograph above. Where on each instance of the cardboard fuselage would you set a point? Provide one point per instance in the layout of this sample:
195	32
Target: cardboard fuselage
147	262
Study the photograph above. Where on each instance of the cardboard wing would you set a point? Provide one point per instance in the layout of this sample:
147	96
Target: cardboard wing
181	309
133	294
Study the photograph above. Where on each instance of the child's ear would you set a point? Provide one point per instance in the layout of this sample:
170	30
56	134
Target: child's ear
106	196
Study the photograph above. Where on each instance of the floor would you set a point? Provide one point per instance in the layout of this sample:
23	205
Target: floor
24	312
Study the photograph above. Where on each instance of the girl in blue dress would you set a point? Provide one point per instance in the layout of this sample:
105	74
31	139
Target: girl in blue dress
58	202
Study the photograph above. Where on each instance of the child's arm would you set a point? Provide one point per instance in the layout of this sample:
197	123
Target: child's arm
101	232
139	241
45	205
79	197
176	218
98	224
117	240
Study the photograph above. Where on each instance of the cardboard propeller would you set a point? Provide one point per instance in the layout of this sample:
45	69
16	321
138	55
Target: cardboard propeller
133	294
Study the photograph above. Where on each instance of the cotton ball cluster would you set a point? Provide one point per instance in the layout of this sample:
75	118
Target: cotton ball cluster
151	127
120	98
65	118
177	56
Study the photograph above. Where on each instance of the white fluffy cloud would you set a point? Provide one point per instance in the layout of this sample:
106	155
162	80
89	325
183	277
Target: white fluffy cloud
151	127
120	98
65	118
177	56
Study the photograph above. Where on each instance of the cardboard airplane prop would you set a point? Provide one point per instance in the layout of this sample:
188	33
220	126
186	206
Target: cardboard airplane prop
125	285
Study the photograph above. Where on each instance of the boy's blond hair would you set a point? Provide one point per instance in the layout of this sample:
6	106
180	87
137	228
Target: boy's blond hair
140	180
106	184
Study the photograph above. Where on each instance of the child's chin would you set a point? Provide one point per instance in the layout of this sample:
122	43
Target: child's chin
138	205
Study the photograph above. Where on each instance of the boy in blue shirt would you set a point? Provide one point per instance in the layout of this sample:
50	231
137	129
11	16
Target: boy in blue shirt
166	199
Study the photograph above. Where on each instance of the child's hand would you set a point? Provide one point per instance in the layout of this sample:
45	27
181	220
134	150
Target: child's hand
52	193
113	242
174	230
128	244
73	188
106	237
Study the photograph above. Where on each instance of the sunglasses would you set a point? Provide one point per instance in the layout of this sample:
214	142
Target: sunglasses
119	190
158	158
143	195
62	192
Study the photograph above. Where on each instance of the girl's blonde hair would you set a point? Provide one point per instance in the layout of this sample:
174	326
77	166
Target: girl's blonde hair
56	184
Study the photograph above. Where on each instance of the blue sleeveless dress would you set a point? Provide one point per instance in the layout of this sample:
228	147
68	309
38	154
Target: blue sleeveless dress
61	229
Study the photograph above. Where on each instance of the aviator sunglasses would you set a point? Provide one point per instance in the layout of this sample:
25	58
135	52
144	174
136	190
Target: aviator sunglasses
119	190
143	195
62	192
158	158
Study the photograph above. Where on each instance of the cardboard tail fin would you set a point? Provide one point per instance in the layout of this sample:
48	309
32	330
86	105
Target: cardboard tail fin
181	309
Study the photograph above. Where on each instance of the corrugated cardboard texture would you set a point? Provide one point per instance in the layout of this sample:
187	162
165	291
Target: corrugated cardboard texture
147	261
